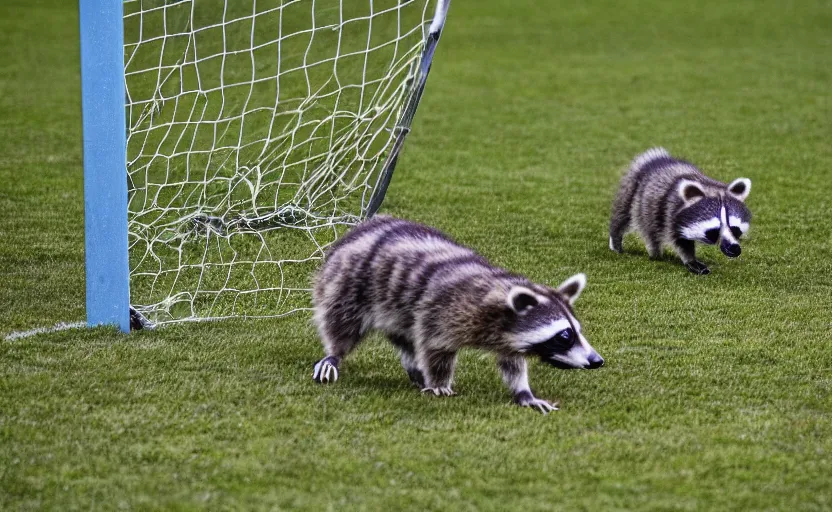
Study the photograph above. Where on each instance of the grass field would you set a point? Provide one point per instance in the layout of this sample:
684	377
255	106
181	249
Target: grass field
717	392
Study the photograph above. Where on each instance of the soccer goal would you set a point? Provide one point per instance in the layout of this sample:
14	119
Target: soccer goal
228	143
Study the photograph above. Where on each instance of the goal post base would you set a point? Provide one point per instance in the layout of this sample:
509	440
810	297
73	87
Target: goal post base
138	322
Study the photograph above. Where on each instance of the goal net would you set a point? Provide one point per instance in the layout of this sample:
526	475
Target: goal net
258	131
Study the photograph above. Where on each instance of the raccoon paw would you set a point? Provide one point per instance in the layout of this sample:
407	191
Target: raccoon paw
439	391
326	370
698	268
526	399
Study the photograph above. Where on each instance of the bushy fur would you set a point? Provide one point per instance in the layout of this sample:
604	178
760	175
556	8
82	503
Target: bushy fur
432	297
670	202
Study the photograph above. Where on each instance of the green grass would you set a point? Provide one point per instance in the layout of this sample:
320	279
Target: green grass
716	392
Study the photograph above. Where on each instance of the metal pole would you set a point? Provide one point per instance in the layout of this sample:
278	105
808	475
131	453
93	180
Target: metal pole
412	102
105	173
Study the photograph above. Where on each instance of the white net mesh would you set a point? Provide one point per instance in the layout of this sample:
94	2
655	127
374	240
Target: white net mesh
257	131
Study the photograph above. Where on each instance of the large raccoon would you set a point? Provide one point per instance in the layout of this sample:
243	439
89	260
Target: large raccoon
432	297
670	202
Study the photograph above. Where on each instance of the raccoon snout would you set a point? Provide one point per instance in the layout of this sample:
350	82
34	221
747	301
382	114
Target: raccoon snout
730	250
595	361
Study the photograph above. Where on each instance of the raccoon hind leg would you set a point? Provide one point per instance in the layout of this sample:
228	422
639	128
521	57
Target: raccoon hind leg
619	225
326	370
622	216
438	369
654	247
339	336
408	357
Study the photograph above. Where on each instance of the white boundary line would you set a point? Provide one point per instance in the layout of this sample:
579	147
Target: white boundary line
61	326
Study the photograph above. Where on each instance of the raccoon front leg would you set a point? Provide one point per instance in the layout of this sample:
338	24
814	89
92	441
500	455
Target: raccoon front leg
438	369
516	377
408	357
686	249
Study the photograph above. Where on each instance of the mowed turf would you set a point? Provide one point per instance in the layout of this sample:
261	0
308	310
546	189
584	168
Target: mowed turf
716	391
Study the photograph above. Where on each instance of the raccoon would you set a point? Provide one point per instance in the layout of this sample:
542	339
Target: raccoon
670	202
432	297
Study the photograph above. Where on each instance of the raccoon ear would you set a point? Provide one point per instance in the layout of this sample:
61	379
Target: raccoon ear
572	287
690	191
740	188
521	298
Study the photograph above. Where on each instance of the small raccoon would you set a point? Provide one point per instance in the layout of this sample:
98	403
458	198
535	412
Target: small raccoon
670	202
432	297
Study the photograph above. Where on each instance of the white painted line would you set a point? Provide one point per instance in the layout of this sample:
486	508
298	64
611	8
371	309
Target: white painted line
62	326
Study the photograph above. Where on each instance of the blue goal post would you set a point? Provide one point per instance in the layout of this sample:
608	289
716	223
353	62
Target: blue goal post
105	163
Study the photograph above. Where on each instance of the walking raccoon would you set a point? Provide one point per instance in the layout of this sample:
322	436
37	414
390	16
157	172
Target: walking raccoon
670	202
432	297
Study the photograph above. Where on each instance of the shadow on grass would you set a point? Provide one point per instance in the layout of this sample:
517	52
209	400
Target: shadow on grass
384	384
